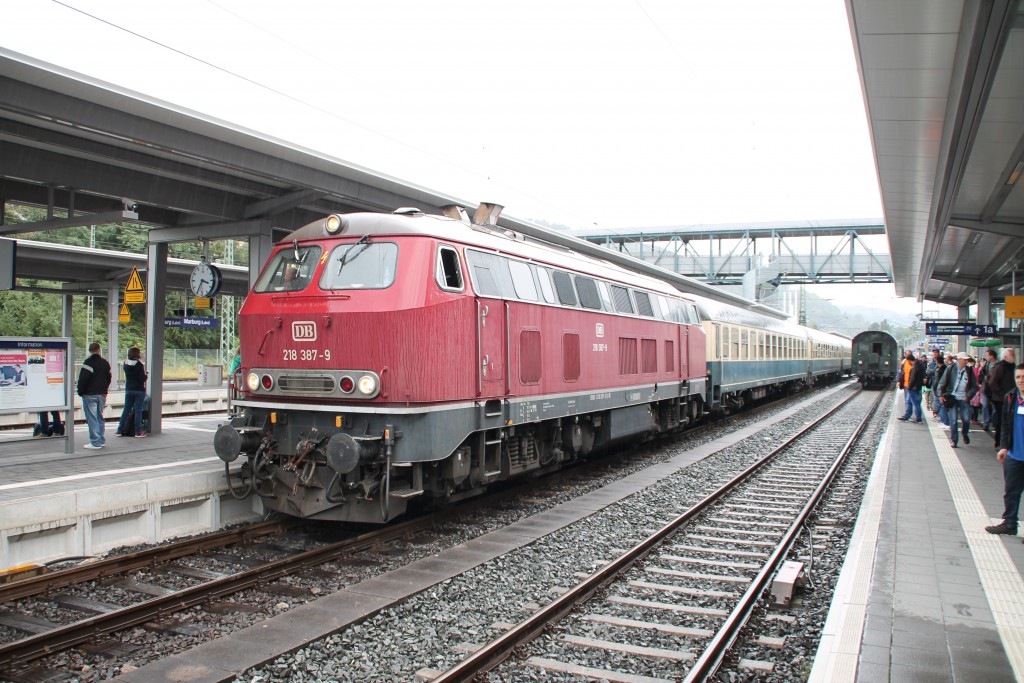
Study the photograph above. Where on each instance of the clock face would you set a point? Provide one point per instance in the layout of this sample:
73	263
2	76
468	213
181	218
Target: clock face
205	280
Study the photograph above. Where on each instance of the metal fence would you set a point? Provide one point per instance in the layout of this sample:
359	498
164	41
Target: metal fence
178	363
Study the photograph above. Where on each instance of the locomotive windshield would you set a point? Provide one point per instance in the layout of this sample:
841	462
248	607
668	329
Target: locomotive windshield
290	270
363	265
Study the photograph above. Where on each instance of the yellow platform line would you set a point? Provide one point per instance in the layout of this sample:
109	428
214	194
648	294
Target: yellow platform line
1003	584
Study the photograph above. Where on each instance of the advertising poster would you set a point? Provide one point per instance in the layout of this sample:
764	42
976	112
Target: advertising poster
33	374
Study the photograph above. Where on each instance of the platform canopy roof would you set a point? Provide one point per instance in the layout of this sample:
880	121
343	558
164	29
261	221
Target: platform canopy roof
943	83
69	140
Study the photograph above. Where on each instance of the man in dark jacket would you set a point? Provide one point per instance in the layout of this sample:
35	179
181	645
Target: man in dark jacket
1011	455
134	395
1000	383
93	382
957	387
912	381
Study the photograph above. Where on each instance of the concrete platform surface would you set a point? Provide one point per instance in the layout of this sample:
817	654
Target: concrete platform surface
926	594
55	505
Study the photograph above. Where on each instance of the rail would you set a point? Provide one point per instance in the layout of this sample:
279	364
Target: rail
493	653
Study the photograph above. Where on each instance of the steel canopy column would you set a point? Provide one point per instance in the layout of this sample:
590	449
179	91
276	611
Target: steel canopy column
67	302
113	343
984	306
156	295
260	247
963	313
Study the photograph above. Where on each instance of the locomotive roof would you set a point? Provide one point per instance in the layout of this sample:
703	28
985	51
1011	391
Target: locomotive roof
549	246
489	237
512	243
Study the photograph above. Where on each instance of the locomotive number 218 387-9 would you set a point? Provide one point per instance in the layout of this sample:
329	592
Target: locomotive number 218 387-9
306	354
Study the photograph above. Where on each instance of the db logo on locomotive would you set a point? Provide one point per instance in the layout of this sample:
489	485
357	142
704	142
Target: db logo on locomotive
304	331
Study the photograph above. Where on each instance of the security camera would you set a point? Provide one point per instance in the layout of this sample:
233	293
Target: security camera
130	205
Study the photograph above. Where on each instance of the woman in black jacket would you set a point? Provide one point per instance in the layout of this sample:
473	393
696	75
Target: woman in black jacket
134	394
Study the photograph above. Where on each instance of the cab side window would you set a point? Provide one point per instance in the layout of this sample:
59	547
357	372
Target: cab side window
449	270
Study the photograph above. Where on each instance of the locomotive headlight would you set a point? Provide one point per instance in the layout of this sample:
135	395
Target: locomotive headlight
267	381
346	384
334	224
367	384
252	381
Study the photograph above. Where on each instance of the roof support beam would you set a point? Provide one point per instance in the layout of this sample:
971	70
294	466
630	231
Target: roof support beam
1004	228
275	205
74	222
213	231
984	29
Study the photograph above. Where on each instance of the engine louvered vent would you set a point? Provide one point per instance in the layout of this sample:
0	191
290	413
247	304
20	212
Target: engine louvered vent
306	384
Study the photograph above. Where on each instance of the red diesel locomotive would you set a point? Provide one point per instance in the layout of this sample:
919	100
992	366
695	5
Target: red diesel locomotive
388	357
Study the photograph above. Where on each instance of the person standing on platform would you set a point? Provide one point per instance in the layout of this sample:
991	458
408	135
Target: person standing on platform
913	379
134	394
984	368
903	378
957	388
936	377
1011	455
93	383
1000	383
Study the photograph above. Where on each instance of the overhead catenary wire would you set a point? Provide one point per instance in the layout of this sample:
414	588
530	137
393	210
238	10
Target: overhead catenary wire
305	103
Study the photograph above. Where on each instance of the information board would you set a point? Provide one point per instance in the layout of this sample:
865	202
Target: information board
958	329
33	374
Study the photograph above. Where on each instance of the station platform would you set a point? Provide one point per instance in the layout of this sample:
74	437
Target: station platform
56	505
926	594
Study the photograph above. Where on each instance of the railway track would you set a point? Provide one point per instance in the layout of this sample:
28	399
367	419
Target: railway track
688	588
162	602
154	605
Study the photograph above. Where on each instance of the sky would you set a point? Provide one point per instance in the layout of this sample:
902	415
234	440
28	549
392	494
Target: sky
602	114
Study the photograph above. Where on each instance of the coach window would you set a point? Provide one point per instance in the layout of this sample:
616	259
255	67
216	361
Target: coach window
522	280
563	287
643	304
661	309
587	288
490	273
449	270
620	296
544	277
606	296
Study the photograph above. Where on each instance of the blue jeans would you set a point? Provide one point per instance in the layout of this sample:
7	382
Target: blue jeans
133	400
913	401
92	406
1013	476
961	409
986	410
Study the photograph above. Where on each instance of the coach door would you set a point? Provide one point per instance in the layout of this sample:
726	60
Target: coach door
492	347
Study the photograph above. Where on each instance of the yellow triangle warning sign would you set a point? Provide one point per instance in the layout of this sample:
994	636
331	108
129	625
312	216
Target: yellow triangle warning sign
134	293
134	282
124	310
124	316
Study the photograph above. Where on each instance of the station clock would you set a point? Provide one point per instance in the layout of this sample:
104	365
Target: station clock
206	280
